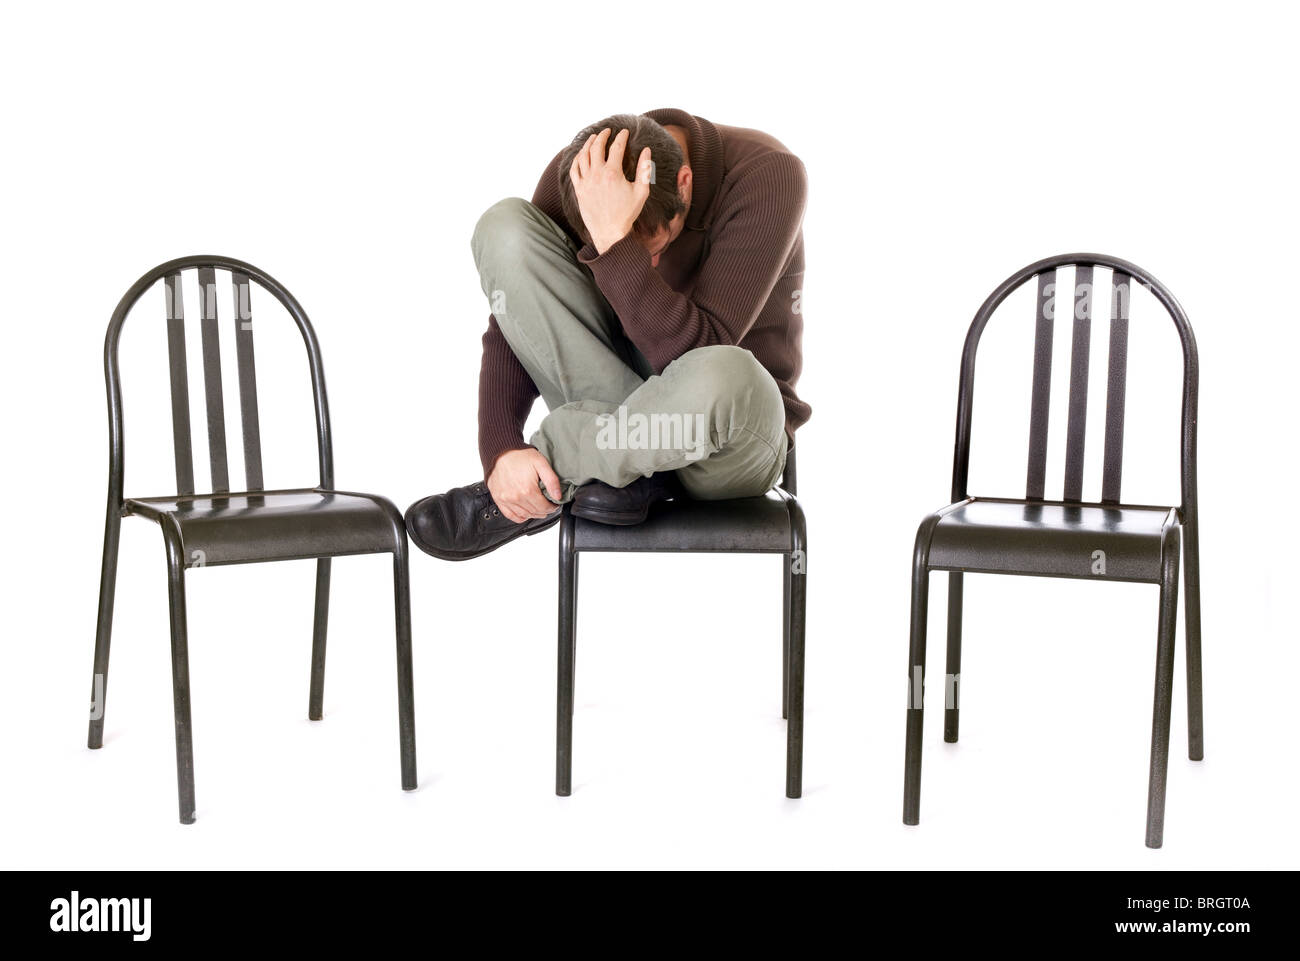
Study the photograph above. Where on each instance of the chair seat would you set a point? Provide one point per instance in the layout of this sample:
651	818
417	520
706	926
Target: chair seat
275	525
745	525
1051	539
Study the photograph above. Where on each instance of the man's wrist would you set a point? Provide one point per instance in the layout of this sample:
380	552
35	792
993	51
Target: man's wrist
617	257
603	242
509	450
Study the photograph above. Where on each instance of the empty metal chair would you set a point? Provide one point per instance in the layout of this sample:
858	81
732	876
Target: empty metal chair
225	527
1070	537
771	524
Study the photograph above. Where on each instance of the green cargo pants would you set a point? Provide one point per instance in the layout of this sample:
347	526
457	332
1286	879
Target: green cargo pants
715	415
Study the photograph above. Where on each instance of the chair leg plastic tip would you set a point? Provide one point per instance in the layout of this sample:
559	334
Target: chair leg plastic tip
314	717
1156	844
911	820
187	819
794	795
949	738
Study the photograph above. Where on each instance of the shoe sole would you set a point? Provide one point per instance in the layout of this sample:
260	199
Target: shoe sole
470	555
613	518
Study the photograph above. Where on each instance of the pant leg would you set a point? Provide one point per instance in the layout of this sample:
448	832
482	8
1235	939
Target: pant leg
550	310
715	415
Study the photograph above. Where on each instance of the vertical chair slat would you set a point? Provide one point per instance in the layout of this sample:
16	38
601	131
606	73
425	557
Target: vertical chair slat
1042	396
1080	352
247	381
1116	386
212	381
180	384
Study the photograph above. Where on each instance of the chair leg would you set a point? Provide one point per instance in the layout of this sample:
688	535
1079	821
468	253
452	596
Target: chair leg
786	584
315	700
573	654
1163	693
104	629
405	672
180	671
568	609
1192	624
798	595
952	679
915	694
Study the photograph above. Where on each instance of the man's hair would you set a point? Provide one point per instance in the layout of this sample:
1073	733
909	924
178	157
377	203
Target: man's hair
663	204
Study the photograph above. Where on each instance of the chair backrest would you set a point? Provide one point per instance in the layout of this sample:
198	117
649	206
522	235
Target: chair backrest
242	276
1124	276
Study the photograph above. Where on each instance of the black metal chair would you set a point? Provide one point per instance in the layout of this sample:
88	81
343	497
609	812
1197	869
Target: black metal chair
771	524
207	530
1103	540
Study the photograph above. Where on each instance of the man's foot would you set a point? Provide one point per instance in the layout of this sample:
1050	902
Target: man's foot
465	523
624	506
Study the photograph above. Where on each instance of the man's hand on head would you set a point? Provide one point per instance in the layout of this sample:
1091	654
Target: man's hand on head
609	202
516	484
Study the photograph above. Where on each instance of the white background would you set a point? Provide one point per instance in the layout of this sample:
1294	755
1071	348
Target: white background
349	151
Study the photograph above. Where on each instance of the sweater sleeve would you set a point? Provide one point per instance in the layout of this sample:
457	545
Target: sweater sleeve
505	391
505	396
759	226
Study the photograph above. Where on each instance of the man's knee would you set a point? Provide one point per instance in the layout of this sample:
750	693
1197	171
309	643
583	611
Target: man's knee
505	230
729	374
747	415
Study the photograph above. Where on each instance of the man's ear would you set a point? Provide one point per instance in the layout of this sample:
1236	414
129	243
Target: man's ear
685	180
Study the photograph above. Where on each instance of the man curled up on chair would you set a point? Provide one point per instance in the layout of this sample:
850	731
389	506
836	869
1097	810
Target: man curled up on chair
651	294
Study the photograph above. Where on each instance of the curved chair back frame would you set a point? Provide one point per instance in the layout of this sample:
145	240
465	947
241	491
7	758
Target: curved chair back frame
242	273
1124	274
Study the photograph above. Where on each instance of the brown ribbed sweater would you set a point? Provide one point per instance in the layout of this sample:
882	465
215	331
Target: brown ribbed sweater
733	276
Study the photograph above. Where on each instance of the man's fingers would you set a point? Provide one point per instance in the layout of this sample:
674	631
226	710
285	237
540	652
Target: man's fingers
645	168
617	148
598	146
511	514
644	172
536	504
550	480
583	160
524	512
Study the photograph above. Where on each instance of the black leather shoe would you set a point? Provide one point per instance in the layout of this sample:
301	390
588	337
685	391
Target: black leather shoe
465	523
624	506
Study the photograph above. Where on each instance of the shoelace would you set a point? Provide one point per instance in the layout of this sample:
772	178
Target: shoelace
481	489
